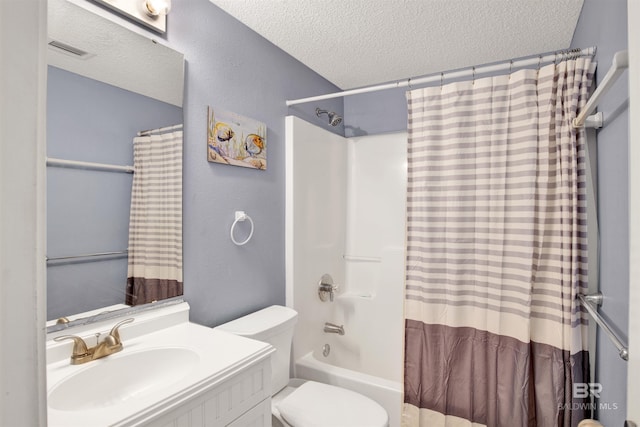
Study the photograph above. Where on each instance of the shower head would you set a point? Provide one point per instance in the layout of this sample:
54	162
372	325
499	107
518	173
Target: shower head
334	119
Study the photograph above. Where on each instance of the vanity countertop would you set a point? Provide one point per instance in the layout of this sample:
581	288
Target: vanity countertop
210	357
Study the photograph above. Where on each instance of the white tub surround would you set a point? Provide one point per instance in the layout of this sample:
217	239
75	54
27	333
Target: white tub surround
316	203
345	207
169	371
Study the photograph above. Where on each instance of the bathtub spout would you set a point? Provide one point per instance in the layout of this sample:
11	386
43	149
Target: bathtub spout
330	328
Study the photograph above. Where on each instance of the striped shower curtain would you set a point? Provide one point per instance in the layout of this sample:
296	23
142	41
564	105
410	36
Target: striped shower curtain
497	251
155	224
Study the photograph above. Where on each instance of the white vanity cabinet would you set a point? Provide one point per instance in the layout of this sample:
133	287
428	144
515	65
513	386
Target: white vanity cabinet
243	400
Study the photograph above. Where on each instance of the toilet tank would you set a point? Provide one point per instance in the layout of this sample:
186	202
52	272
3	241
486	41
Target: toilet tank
273	325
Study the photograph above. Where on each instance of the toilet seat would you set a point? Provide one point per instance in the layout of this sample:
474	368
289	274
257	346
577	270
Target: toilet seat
315	404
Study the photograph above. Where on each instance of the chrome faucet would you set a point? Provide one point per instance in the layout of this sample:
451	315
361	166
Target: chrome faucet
330	328
83	354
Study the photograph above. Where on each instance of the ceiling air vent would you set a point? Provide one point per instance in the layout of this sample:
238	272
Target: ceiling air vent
69	50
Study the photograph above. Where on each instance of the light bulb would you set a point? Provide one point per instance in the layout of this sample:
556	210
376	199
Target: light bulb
158	7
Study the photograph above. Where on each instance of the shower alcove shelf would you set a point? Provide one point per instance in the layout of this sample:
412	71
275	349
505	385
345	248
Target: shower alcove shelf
367	274
367	271
359	258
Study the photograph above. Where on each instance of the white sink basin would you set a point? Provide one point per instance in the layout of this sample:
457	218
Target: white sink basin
120	377
166	362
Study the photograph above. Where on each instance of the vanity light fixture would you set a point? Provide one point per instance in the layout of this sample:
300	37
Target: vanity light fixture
150	13
157	7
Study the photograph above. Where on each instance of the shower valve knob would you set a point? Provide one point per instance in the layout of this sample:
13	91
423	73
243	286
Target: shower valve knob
326	288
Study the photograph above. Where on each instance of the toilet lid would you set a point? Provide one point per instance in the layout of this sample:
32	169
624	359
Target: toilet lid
321	405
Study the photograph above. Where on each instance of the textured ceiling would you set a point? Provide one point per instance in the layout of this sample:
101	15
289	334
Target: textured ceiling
355	43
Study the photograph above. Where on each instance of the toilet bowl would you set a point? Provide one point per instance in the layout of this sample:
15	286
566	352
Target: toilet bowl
300	403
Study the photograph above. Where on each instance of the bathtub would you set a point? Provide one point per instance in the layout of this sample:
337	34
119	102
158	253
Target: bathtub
386	392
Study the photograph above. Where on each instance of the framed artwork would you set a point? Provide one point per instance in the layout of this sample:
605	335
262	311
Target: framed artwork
236	140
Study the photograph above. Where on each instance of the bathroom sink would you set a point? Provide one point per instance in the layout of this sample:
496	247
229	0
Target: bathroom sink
121	377
166	364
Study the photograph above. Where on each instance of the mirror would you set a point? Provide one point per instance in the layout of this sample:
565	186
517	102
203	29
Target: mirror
105	83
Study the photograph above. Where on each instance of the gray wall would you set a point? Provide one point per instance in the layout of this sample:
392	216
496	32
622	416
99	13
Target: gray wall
376	112
88	211
604	24
229	66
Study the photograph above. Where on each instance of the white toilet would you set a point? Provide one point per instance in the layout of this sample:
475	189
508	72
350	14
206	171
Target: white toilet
299	403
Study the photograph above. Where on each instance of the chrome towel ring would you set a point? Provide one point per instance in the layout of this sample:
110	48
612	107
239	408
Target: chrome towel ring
241	217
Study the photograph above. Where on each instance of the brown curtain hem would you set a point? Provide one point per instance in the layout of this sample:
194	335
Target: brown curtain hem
491	379
141	290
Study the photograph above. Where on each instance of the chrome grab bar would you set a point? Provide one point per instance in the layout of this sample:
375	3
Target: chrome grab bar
588	302
98	254
75	164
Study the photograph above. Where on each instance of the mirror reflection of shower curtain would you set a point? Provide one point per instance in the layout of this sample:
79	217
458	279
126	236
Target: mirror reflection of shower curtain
497	251
155	224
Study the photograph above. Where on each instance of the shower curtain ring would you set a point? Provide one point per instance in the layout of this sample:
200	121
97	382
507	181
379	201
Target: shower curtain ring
539	61
510	67
577	53
409	83
473	74
441	79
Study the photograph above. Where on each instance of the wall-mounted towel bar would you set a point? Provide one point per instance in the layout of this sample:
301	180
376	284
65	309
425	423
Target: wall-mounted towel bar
588	302
84	256
88	165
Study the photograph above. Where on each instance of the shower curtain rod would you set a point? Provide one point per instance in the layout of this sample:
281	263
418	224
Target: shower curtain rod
465	72
150	131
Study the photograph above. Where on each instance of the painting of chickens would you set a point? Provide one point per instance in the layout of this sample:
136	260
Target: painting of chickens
236	140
